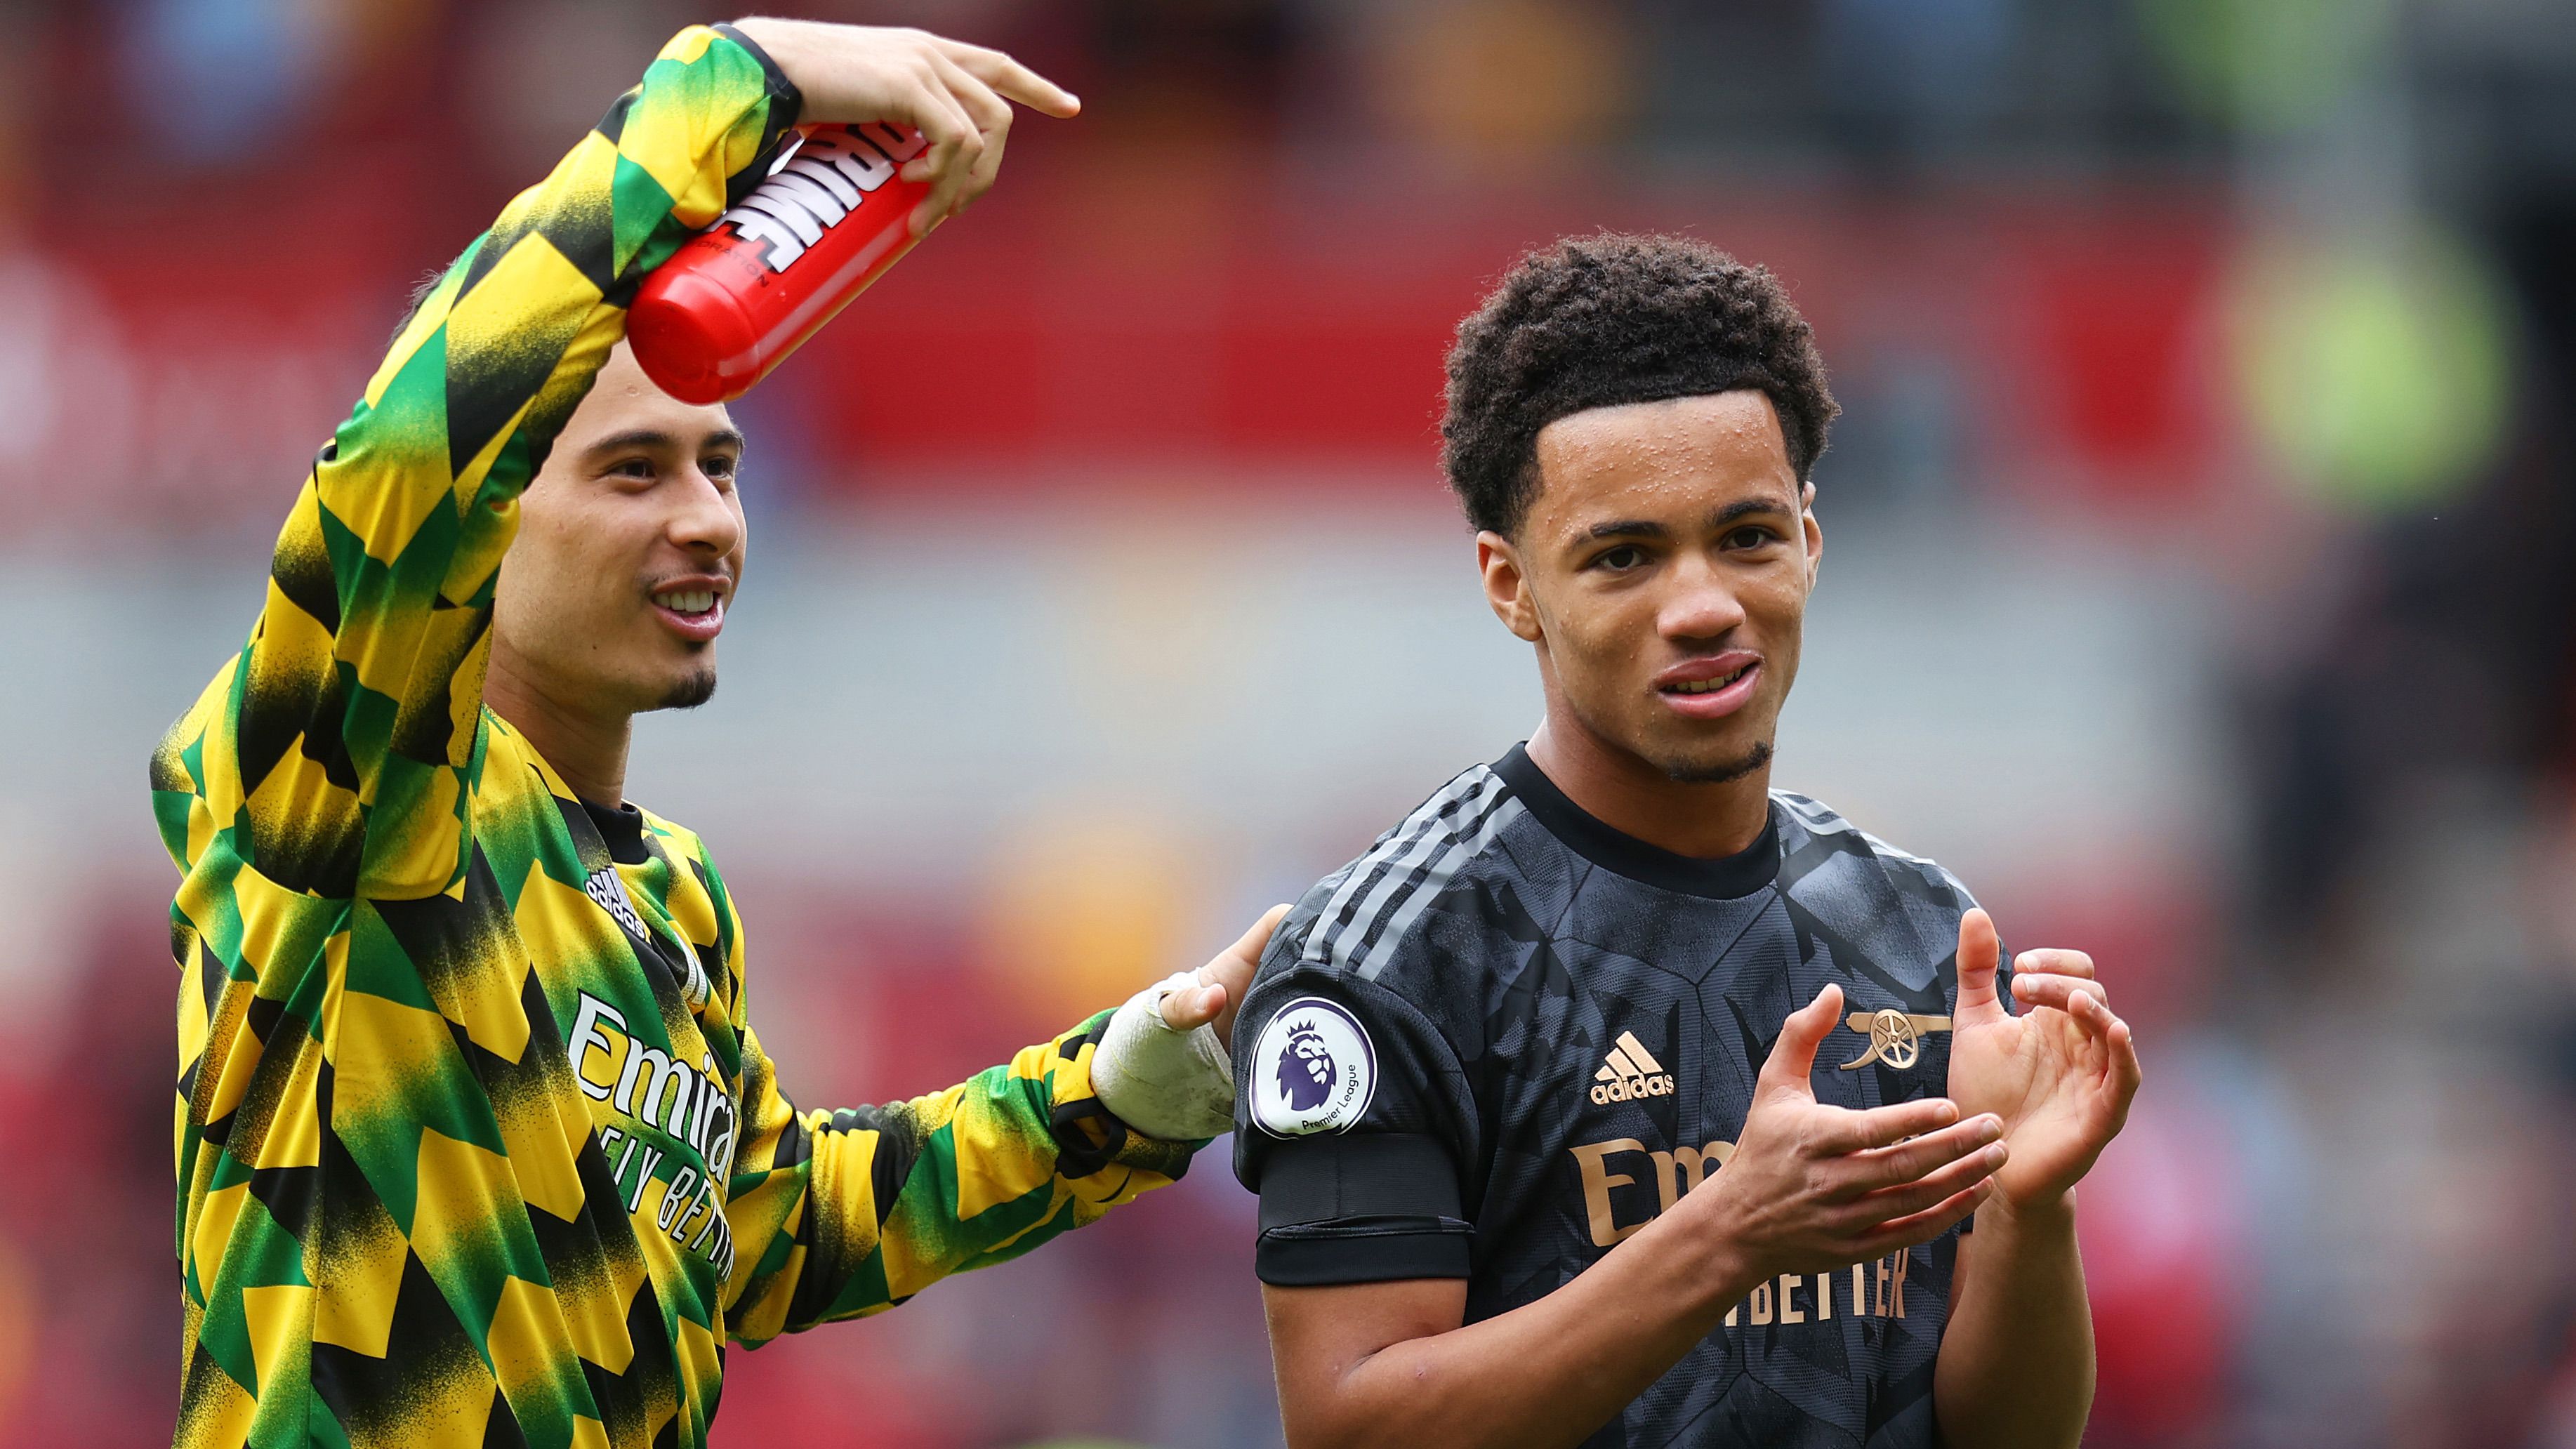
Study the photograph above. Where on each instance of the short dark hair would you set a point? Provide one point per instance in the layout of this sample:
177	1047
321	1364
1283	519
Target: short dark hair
1603	320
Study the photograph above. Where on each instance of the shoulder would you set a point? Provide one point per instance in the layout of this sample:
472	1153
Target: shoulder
1371	987
1850	895
1819	849
688	851
1414	906
682	842
1414	944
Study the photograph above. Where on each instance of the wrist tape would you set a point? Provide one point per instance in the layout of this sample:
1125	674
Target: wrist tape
1175	1085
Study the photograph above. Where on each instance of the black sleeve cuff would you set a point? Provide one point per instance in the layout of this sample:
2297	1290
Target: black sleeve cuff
786	108
1362	1250
783	94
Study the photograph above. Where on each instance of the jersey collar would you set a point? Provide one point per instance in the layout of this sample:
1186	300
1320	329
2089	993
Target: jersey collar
1726	878
623	830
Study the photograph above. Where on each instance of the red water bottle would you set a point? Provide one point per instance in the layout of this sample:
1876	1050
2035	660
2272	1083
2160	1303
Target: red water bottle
735	299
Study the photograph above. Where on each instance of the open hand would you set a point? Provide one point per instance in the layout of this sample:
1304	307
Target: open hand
957	95
1222	982
1811	1187
2060	1076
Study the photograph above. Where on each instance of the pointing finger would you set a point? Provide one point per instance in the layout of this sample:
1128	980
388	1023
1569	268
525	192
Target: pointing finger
1012	79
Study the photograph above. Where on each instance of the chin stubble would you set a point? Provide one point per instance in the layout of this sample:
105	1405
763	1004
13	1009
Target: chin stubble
691	692
1693	773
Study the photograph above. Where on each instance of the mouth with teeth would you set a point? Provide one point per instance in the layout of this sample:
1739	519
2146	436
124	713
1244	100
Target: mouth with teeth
693	611
1711	687
1708	686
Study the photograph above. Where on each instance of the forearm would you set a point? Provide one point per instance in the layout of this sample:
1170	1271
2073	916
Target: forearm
842	1213
803	51
2016	1365
1548	1373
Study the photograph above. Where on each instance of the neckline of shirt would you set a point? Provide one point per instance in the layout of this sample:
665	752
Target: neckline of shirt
623	831
1726	878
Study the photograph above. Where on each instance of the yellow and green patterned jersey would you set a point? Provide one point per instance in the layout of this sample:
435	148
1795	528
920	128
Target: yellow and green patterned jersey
475	1142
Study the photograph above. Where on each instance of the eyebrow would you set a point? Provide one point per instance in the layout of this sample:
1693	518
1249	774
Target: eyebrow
1744	507
1627	528
656	438
1647	528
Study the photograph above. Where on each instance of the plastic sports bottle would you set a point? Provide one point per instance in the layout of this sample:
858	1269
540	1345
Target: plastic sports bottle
738	297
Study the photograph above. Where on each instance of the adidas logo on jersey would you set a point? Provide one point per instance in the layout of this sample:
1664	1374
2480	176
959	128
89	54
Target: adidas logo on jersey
609	891
1629	1073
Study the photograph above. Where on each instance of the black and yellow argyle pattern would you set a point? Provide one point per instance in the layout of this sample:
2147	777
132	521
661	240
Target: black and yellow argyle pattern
475	1144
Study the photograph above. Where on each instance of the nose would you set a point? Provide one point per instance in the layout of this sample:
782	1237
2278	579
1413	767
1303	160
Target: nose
1702	604
705	521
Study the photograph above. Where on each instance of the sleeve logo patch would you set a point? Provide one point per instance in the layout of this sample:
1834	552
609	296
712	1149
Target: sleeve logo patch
1313	1071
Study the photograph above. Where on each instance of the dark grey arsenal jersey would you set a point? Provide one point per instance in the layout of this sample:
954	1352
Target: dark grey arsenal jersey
1508	1036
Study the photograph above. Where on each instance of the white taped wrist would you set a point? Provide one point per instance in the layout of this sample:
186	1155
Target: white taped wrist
1176	1085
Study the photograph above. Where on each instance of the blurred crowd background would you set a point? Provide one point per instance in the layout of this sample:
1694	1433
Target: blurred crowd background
2201	585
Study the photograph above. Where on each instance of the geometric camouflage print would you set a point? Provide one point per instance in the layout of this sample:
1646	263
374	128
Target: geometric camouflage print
1500	946
475	1143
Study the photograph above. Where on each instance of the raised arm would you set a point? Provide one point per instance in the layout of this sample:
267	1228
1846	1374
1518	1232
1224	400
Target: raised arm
336	746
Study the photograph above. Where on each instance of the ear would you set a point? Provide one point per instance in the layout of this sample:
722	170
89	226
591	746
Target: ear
1814	531
1506	586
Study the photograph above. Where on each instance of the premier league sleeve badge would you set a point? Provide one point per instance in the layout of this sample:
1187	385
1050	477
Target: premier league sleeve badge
1314	1070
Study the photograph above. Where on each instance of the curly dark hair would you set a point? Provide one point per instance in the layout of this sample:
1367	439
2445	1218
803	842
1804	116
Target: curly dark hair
1602	320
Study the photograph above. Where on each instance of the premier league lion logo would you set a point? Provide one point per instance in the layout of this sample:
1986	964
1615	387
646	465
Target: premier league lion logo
1306	1068
1323	1069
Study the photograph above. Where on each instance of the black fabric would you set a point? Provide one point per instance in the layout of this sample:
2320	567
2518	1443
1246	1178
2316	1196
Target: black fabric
1385	1174
1725	878
782	91
786	108
1576	1022
1363	1250
623	829
1360	1209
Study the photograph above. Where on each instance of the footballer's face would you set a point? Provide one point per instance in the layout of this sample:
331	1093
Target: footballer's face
630	544
1663	572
